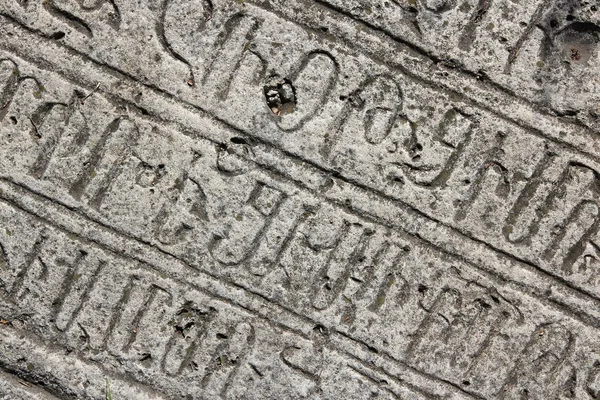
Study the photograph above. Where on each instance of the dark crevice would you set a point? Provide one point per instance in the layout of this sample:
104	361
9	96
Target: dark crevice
57	35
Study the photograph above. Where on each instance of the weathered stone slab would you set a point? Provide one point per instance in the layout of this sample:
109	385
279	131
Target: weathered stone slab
300	200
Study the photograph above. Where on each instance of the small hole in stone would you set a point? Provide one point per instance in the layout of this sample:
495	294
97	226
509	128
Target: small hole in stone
484	304
372	349
238	140
320	329
13	119
466	383
58	35
280	95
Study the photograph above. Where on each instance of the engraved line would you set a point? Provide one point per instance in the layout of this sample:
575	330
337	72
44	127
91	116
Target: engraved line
468	35
29	260
75	22
514	52
383	355
66	286
86	294
120	308
141	312
160	33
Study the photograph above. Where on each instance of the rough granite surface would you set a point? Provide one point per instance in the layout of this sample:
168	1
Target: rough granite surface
300	199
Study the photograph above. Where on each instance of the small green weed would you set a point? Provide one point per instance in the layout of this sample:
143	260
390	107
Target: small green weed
108	393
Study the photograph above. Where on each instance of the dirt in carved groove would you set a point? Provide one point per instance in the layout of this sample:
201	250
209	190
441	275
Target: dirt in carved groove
280	95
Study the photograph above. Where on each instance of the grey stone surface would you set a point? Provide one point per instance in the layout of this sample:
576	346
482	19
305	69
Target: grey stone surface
327	199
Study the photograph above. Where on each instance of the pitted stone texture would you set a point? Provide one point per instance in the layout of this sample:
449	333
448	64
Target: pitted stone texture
265	199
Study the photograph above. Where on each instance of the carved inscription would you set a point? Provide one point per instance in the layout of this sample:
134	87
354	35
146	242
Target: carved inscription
106	307
379	130
210	204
